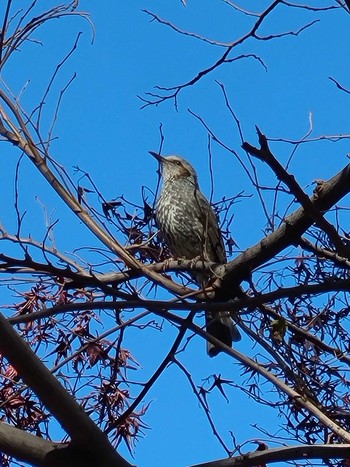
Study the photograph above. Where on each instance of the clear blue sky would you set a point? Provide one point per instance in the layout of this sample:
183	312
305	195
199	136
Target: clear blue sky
102	130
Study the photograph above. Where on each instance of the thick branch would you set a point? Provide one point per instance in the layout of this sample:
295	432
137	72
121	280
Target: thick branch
290	453
288	234
264	154
38	451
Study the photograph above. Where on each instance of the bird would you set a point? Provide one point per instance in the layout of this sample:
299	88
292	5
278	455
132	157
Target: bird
190	229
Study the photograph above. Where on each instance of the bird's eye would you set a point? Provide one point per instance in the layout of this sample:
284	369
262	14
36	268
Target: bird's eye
177	162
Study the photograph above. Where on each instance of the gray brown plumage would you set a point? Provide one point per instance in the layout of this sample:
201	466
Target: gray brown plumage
190	229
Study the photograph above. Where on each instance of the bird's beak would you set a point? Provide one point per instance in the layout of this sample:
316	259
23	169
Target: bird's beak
156	156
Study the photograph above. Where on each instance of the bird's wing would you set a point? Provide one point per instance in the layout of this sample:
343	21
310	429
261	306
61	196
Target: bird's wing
213	241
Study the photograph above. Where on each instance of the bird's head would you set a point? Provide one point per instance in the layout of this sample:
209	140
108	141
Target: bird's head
175	167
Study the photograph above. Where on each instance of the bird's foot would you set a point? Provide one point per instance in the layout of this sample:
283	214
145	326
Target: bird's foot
195	260
167	262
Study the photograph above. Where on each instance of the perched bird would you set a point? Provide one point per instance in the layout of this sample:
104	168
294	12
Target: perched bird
190	229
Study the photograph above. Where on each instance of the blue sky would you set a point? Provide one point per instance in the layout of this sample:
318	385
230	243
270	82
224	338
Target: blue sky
102	130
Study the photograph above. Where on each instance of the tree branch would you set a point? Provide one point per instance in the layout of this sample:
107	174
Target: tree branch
38	451
295	397
290	453
295	225
265	155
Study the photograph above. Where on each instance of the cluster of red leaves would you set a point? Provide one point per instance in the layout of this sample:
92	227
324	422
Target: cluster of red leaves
17	405
113	401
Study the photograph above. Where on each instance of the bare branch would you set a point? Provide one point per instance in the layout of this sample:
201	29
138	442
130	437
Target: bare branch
339	86
166	93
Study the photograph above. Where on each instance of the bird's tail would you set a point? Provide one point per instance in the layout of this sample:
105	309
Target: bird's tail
221	326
